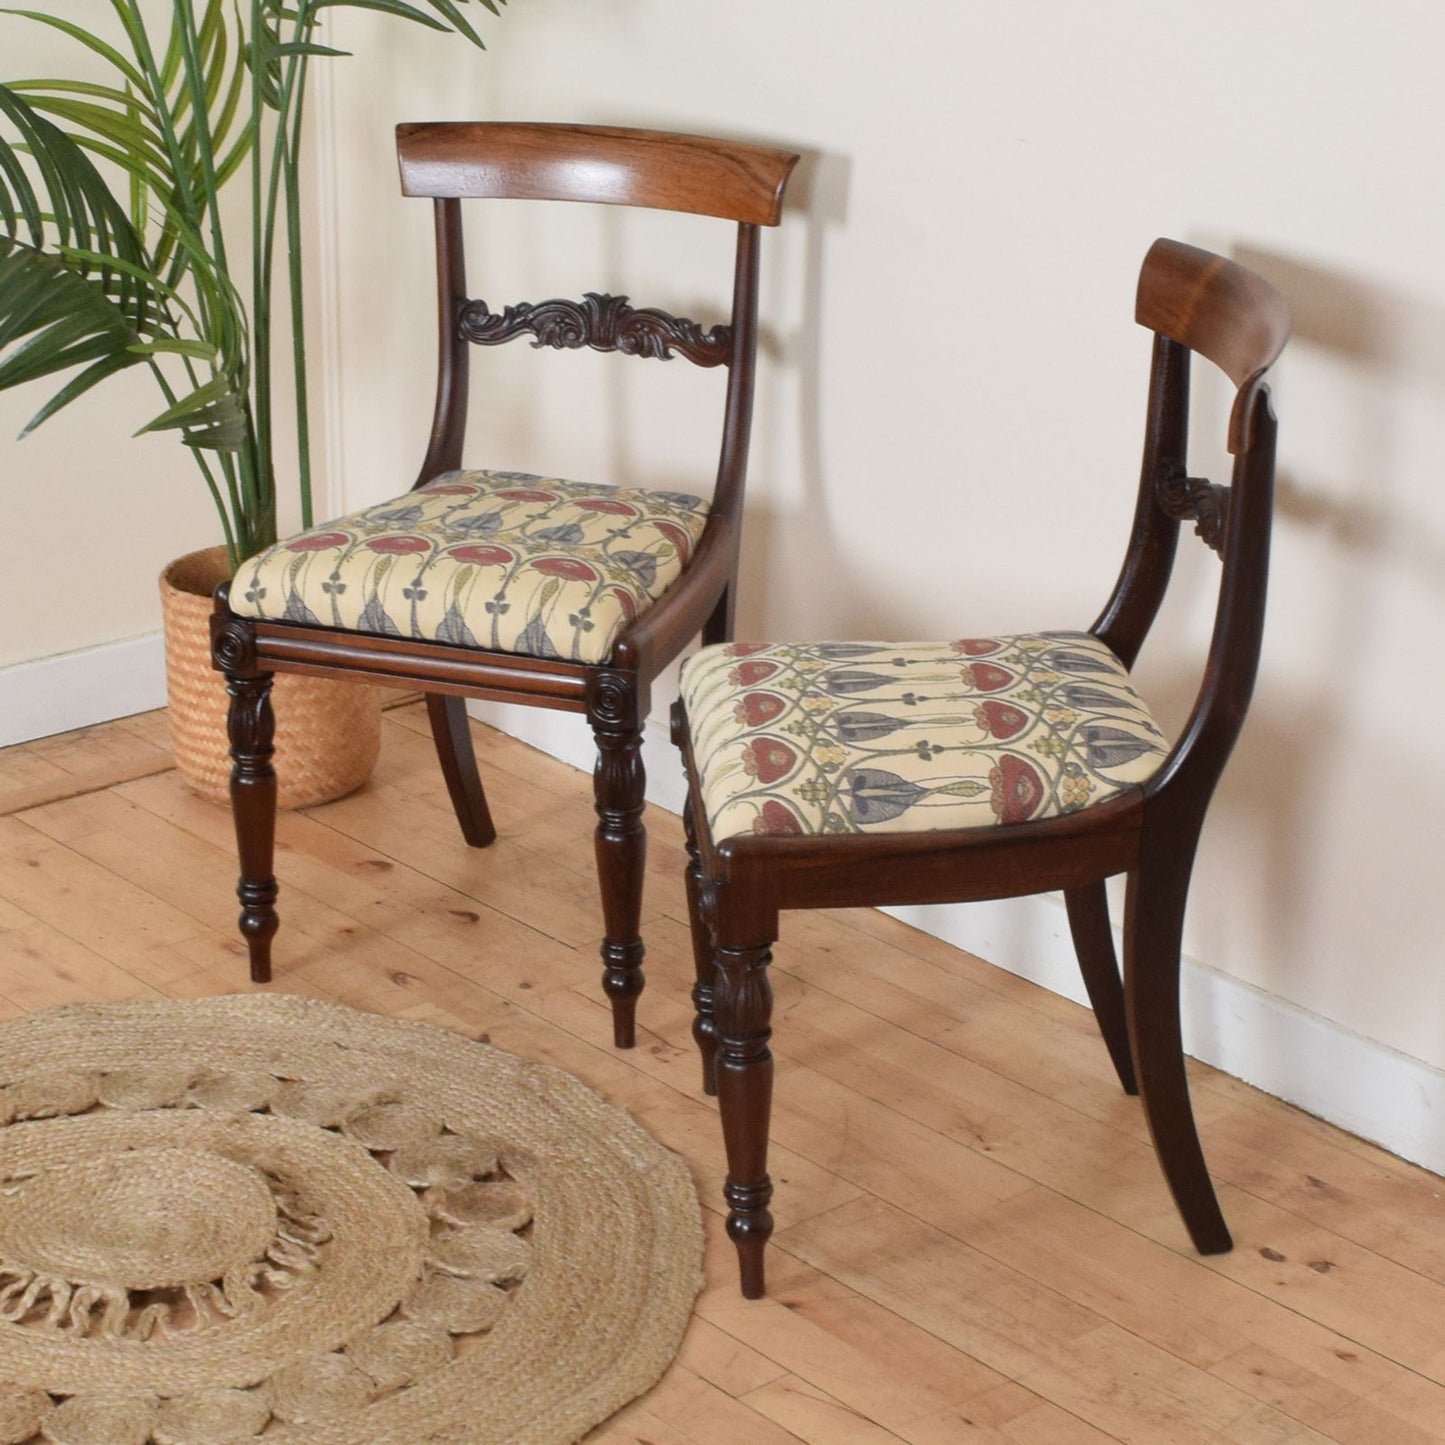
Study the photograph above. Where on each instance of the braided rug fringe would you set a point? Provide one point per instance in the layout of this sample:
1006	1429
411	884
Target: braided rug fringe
268	1217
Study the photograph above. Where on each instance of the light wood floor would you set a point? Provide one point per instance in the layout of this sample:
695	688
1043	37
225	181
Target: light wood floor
974	1243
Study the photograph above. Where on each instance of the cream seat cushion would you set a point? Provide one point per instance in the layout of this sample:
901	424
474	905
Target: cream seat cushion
500	560
897	737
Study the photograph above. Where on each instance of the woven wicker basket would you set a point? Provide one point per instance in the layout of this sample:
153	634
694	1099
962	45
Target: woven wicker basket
327	733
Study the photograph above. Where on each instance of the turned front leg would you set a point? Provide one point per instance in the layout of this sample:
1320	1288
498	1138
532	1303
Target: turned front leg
744	1004
252	727
619	784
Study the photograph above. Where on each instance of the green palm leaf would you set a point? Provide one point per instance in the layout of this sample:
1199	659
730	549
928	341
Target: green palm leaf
113	252
79	207
213	416
52	318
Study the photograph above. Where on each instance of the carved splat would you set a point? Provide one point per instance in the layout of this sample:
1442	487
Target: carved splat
605	323
1194	499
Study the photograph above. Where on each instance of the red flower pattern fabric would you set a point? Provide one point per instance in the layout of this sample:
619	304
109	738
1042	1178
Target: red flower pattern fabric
497	560
848	737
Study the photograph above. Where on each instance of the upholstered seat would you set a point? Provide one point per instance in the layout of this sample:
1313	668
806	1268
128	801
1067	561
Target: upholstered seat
899	737
502	560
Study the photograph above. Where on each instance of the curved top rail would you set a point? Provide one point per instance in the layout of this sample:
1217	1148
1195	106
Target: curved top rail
729	179
1216	307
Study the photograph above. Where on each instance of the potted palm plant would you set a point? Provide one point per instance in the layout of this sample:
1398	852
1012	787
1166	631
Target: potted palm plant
114	255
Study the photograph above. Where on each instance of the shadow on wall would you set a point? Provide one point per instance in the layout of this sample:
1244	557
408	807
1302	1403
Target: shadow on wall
775	533
1353	532
1393	334
781	544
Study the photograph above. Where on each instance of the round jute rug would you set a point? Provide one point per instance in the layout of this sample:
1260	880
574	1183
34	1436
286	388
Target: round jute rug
263	1217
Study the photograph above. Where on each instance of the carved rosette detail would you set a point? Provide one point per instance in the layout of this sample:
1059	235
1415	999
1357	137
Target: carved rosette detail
605	323
233	646
612	703
1193	499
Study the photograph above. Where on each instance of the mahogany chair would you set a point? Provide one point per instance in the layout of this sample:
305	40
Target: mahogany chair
505	585
826	775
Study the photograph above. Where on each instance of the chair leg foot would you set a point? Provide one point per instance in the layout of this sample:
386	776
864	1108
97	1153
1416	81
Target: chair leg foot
452	735
619	784
1094	944
744	1000
1153	929
1216	1240
622	984
251	726
750	1229
258	924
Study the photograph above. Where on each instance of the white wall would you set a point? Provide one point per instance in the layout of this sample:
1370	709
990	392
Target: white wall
989	176
91	514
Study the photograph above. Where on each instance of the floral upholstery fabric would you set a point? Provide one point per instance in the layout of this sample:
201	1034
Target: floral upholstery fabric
501	560
897	737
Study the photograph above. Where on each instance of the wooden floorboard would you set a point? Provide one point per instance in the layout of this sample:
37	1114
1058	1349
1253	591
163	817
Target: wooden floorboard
974	1242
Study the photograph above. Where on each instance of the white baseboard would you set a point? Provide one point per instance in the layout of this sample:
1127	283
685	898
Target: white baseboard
567	737
75	689
1359	1084
1363	1086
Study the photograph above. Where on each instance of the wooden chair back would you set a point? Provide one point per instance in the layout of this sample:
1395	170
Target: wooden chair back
731	180
1198	303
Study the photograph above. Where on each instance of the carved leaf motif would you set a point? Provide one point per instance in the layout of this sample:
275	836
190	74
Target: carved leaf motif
605	323
250	723
1193	499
